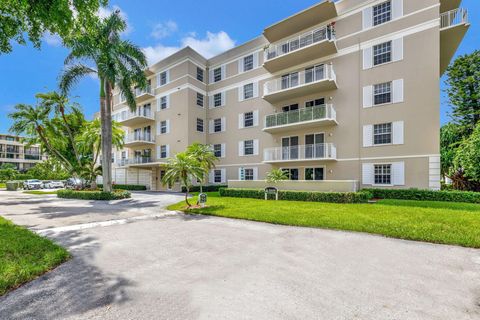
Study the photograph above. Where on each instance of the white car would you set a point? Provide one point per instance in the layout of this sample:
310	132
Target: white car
49	184
32	184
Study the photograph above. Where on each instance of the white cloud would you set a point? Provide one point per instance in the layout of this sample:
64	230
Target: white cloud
52	39
164	29
211	45
104	12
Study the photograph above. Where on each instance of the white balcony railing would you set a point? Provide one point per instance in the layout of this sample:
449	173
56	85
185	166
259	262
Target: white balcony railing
127	115
299	42
454	17
319	151
139	137
136	160
139	92
322	112
300	78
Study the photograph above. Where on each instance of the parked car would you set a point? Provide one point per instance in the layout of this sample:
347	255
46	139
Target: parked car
74	183
32	184
52	184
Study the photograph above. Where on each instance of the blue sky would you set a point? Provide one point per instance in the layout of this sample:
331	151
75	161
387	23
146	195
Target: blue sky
162	27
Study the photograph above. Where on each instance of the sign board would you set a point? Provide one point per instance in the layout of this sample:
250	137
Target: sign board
202	199
271	190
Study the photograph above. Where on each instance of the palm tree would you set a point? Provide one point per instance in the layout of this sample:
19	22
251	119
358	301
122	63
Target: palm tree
204	155
276	175
183	167
116	62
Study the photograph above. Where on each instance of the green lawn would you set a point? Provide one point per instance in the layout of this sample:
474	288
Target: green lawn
38	192
437	222
2	185
25	255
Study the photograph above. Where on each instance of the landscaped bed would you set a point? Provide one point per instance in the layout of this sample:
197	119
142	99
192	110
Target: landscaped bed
437	222
25	255
93	194
40	192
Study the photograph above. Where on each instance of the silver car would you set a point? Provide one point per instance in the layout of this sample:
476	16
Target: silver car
32	184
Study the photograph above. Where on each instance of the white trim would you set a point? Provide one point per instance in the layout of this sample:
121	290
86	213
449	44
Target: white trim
238	84
391	157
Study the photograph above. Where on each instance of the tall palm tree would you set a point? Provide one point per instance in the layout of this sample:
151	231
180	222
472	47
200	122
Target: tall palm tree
116	62
183	167
205	156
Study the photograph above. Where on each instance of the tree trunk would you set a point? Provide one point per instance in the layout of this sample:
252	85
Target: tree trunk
186	196
107	139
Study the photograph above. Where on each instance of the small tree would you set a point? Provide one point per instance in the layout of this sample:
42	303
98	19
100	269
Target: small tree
276	175
183	167
7	172
204	155
467	158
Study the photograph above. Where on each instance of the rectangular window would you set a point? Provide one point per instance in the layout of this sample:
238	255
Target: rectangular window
163	152
163	127
217	176
382	133
382	93
316	102
382	53
217	125
248	147
382	13
314	173
217	74
200	125
217	100
248	91
163	78
292	174
200	99
248	174
217	150
199	74
383	173
163	103
248	119
248	63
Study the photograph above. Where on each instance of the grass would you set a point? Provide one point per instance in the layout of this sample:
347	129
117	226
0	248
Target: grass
39	192
436	222
3	185
25	255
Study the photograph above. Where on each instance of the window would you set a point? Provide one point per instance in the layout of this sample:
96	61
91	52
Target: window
199	74
382	93
382	53
316	102
248	119
382	133
163	152
200	125
217	74
200	99
382	13
248	63
217	125
383	173
217	176
248	91
217	150
290	107
248	147
217	100
163	127
248	174
292	174
163	103
314	173
163	78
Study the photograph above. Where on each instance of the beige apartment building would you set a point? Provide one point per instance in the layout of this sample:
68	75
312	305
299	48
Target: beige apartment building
13	151
343	95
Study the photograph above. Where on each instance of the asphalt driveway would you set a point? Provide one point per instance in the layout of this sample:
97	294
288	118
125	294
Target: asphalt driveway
183	267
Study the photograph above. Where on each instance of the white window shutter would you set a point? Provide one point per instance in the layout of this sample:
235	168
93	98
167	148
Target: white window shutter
224	175
397	127
158	152
167	98
224	124
398	91
255	173
168	126
255	89
368	135
240	148
210	101
367	96
158	128
240	65
368	172
367	18
210	126
210	75
159	102
211	176
255	59
397	49
168	75
223	98
255	118
241	175
158	80
397	9
241	117
255	147
398	172
367	58
240	93
167	147
222	149
224	73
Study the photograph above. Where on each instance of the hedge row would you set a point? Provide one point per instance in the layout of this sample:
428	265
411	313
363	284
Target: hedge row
93	195
212	188
311	196
132	187
425	195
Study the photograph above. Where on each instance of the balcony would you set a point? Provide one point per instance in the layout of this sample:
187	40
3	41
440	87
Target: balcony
300	83
453	27
316	116
21	157
138	139
136	161
144	94
130	119
309	152
308	46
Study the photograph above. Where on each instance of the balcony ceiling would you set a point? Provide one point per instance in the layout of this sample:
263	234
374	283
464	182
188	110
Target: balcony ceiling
144	97
450	40
447	5
301	125
137	143
305	19
135	121
303	90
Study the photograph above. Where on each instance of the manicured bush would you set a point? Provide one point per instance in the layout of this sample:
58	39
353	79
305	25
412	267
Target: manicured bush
212	188
131	187
426	195
93	195
310	196
14	185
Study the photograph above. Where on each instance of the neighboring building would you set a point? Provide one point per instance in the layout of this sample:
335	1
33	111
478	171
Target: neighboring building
14	152
346	92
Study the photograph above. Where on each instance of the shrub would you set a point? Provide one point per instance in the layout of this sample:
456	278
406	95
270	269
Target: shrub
311	196
212	188
132	187
426	195
93	195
